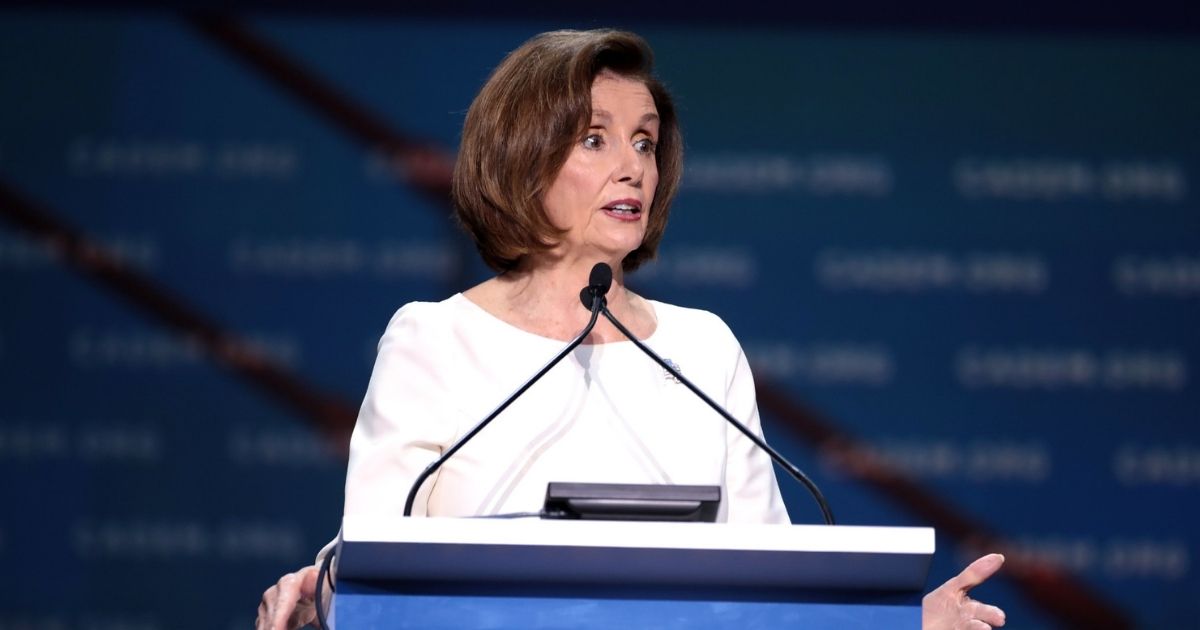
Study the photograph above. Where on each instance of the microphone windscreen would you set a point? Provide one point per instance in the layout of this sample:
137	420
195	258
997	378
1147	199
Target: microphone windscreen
600	278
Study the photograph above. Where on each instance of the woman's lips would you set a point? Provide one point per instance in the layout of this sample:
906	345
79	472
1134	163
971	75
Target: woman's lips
624	209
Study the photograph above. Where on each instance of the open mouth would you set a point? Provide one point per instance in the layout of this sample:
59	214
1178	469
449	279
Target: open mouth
624	209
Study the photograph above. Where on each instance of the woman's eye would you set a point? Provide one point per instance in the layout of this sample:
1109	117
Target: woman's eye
593	141
645	145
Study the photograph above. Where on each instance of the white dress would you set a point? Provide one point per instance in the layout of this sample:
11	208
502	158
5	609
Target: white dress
606	413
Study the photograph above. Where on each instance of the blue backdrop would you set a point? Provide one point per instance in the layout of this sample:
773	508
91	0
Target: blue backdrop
966	270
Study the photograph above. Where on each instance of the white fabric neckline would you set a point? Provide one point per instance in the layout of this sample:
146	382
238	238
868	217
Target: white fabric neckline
488	316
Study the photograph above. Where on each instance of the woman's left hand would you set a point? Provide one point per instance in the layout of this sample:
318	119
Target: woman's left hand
288	604
949	608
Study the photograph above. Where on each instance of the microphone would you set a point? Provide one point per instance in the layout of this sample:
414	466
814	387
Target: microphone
598	284
597	276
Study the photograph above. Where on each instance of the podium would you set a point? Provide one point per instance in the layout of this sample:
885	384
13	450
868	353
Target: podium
528	573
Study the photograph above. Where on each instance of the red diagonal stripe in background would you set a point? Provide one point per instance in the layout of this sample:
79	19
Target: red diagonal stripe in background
1054	590
423	165
333	416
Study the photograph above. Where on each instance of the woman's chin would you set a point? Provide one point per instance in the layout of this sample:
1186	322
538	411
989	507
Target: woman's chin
614	252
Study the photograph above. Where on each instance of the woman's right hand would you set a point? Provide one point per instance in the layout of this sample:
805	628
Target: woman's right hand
289	604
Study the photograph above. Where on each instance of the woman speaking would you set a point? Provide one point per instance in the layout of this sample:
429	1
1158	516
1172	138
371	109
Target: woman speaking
571	155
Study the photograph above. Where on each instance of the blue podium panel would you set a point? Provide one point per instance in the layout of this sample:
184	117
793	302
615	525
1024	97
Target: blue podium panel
365	607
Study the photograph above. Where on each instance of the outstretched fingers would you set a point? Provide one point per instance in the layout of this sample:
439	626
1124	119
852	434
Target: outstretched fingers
986	613
948	607
978	572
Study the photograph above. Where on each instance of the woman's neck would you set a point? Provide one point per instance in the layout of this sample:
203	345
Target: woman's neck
544	300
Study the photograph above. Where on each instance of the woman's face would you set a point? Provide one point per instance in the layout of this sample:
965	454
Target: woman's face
603	193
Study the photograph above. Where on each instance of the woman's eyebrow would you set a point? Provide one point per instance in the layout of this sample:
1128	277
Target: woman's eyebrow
604	116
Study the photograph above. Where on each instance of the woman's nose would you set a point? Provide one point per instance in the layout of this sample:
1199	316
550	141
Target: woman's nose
630	168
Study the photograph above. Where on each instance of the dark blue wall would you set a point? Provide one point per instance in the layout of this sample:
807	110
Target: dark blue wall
970	257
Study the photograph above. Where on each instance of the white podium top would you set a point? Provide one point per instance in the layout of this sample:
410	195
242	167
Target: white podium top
445	550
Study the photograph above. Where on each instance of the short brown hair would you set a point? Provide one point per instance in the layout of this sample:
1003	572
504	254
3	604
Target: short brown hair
522	126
